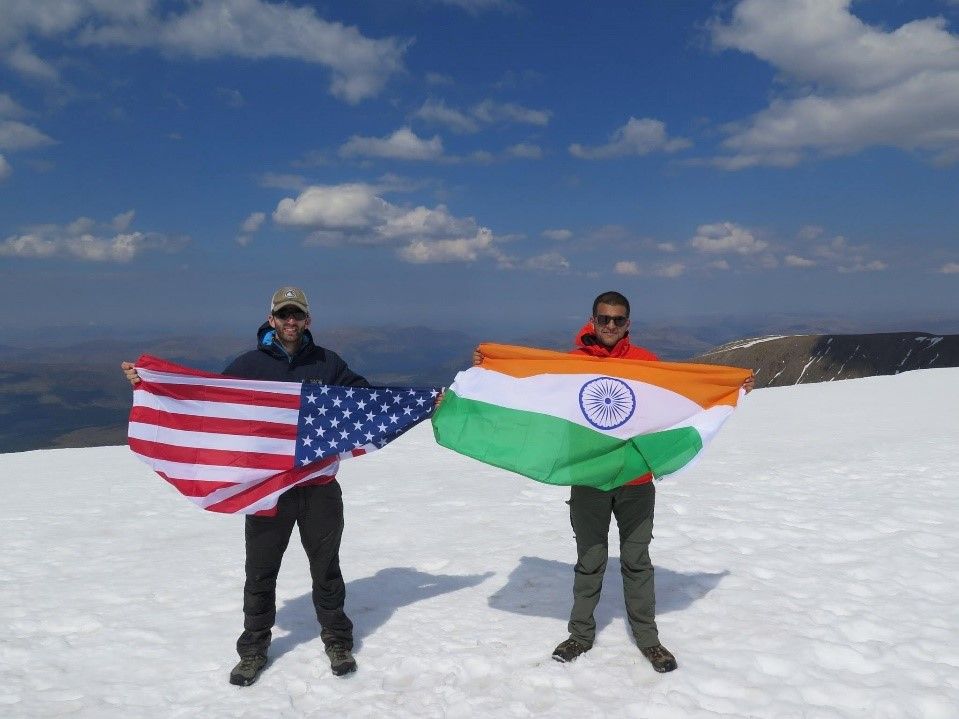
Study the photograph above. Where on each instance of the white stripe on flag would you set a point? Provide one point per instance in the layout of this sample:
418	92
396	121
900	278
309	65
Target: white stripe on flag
210	440
206	472
558	395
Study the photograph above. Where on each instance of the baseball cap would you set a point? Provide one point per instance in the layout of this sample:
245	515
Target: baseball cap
289	296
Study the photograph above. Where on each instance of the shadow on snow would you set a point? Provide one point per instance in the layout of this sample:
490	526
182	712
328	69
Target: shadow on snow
370	602
544	588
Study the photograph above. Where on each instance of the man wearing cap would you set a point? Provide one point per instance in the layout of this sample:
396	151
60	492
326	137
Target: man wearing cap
286	352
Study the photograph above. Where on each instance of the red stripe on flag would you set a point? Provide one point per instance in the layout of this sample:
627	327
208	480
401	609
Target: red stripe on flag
276	483
195	487
216	425
218	457
206	393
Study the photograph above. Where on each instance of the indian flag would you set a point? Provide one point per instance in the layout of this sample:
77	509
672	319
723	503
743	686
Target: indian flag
572	419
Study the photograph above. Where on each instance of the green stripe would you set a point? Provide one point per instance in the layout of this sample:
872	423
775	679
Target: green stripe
555	451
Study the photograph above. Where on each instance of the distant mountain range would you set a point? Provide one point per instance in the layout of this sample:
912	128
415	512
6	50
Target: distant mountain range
801	359
75	396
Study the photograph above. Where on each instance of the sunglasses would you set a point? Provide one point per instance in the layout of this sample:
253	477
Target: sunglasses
287	312
618	320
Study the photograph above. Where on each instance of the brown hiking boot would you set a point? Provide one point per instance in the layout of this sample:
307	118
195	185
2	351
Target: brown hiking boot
660	657
341	659
568	651
248	670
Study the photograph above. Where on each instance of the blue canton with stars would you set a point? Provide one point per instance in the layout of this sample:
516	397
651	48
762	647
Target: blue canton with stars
339	420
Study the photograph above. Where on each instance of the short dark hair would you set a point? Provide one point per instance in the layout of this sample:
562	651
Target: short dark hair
611	298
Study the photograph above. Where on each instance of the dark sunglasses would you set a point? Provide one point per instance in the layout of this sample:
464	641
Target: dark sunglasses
287	312
618	320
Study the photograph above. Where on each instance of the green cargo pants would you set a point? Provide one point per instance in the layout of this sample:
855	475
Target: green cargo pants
589	513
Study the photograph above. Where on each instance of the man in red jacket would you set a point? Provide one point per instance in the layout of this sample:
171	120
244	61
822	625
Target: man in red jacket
590	510
607	335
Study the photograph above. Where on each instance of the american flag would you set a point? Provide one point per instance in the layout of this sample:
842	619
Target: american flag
235	445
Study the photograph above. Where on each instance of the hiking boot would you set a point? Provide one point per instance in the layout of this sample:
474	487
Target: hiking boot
567	651
660	657
341	659
247	671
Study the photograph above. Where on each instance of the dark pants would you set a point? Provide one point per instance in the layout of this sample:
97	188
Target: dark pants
318	510
589	512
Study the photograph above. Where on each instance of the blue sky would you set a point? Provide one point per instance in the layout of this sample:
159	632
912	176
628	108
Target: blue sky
476	163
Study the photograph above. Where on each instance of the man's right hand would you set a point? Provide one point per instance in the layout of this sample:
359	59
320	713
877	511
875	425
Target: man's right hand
477	357
130	372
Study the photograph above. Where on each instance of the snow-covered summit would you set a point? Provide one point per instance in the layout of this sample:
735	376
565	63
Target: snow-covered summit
807	567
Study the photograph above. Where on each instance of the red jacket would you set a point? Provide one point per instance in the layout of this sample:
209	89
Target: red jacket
587	344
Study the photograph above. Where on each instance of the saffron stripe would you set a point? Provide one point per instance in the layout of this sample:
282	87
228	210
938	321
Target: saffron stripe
707	385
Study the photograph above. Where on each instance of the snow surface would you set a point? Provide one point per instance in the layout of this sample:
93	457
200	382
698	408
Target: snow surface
808	567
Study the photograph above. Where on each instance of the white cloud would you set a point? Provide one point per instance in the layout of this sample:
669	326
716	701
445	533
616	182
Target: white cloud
401	145
797	261
5	169
253	222
122	221
720	265
253	29
487	112
847	258
437	112
333	207
233	98
673	269
636	137
18	136
476	6
283	181
249	227
559	235
666	247
79	240
490	111
810	232
548	262
355	214
851	85
524	151
463	249
9	107
626	267
725	237
950	268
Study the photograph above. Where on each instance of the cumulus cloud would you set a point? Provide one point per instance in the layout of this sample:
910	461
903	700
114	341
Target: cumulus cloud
16	135
253	29
487	112
355	214
439	113
727	237
666	247
849	85
10	107
547	262
249	227
950	268
671	270
636	137
797	261
403	144
524	151
81	240
122	221
838	252
626	267
559	235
